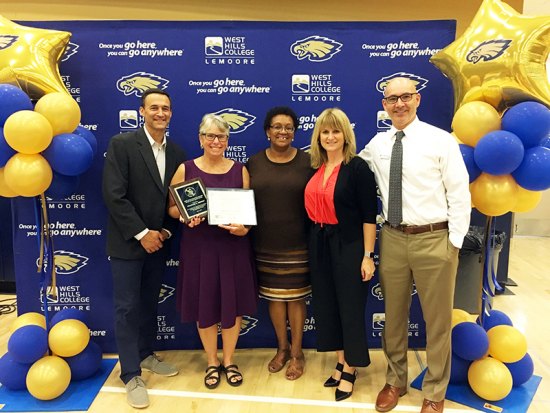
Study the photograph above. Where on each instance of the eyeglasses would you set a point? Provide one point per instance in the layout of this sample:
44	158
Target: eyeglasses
280	128
212	136
405	97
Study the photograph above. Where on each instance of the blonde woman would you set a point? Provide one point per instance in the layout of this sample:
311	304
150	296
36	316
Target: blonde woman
341	201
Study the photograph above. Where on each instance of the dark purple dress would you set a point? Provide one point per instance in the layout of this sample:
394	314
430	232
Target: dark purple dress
216	276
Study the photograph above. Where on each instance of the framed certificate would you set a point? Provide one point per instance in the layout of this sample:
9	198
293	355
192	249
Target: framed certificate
190	198
230	205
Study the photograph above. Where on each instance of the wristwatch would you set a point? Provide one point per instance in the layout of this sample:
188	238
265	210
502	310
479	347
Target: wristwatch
369	254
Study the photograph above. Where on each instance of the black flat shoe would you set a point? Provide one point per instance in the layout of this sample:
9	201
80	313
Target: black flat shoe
332	382
340	395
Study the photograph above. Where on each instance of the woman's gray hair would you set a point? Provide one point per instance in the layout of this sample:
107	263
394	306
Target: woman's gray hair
212	119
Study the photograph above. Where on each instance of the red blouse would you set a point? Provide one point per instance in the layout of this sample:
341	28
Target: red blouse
319	200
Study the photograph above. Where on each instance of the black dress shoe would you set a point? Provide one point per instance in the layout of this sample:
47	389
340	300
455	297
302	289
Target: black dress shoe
332	382
340	395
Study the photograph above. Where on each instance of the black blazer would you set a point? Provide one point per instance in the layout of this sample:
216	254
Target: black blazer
134	193
355	199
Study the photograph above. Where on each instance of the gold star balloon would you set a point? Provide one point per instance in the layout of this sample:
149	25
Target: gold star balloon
29	58
500	59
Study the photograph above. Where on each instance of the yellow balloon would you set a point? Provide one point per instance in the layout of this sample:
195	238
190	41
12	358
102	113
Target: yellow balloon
506	343
460	316
48	378
61	110
27	319
490	379
500	58
28	132
29	58
494	195
5	190
526	200
28	175
68	337
474	120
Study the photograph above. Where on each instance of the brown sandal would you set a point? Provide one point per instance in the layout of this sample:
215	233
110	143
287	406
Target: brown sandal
278	362
295	368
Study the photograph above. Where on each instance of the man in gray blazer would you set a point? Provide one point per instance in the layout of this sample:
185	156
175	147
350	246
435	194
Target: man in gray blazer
138	168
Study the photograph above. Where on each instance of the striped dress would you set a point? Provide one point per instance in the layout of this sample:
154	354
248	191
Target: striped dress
280	238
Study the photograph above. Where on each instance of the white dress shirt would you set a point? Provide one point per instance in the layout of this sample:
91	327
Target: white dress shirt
435	179
159	152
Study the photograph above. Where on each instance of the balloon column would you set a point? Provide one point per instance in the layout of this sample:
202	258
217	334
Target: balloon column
28	364
492	358
502	93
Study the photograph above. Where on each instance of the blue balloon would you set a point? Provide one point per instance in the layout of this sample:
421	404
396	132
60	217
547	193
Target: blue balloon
459	370
12	99
530	121
27	344
13	375
471	166
545	142
469	341
6	151
521	370
495	318
498	152
67	314
85	363
62	186
534	172
88	135
69	154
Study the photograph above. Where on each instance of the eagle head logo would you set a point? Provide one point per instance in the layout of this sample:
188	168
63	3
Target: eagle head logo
377	292
315	48
68	262
488	50
165	292
247	324
71	49
6	40
238	120
139	82
418	81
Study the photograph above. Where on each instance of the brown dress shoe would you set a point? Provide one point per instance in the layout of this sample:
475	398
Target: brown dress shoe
388	397
429	406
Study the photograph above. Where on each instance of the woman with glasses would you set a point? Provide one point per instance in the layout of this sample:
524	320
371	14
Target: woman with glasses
278	176
216	275
341	201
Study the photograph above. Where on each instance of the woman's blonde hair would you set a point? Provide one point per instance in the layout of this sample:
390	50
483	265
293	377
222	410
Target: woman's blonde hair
336	119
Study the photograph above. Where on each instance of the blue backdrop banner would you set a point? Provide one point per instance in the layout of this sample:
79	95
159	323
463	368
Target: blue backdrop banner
239	70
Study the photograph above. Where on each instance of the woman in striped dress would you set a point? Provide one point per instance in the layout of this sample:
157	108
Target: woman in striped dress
278	176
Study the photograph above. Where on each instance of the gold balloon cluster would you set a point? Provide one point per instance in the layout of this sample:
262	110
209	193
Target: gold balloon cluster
29	58
49	375
498	62
28	173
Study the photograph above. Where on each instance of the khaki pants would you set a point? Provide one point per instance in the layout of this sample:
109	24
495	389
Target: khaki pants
430	260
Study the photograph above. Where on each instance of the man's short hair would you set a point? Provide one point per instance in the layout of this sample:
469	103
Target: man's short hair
150	92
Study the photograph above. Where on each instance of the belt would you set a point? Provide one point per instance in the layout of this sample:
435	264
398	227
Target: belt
418	229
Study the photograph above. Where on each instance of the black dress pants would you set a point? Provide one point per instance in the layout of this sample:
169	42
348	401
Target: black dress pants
339	294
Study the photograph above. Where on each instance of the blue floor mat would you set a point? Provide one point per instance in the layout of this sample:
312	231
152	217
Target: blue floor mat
517	401
78	396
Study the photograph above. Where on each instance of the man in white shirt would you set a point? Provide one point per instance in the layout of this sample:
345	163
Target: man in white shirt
420	242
